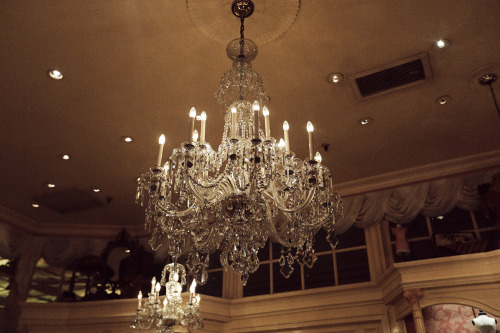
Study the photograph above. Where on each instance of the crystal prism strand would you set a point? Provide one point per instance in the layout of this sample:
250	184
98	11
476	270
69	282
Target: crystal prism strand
200	269
286	263
223	259
332	239
244	278
309	256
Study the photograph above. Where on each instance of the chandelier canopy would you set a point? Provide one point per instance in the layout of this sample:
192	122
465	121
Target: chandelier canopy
252	188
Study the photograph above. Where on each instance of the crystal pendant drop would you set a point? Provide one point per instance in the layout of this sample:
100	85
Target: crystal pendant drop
286	271
332	239
309	257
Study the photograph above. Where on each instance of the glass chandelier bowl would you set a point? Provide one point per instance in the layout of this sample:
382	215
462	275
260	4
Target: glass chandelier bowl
251	189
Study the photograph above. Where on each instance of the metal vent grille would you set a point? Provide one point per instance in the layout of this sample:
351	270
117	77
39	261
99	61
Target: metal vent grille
391	78
394	76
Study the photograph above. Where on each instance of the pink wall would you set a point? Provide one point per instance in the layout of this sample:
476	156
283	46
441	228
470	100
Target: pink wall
449	318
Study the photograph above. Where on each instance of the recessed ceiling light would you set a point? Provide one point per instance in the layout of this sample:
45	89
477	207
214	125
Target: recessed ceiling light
50	185
65	157
35	205
366	121
127	139
442	43
335	78
96	190
443	100
55	74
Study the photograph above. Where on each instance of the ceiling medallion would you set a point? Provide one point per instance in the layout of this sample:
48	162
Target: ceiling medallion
270	19
233	199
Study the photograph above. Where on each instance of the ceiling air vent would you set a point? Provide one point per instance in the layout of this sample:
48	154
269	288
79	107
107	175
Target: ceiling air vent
69	201
400	74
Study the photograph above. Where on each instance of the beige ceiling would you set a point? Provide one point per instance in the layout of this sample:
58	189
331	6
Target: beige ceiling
136	68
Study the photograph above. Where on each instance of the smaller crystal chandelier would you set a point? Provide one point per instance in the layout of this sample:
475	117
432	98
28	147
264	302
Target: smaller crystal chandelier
172	313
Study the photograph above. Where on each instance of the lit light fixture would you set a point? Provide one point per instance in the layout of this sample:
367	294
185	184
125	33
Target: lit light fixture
172	313
96	190
335	78
127	139
487	80
442	43
50	185
65	157
249	190
55	74
443	100
366	121
35	205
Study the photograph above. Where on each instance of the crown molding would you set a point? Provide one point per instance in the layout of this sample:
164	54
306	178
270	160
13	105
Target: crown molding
469	164
31	226
474	163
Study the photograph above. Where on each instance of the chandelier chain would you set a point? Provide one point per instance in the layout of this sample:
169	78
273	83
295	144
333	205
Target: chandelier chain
494	98
242	28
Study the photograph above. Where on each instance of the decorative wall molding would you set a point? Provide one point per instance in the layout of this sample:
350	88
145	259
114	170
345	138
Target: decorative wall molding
480	162
469	164
364	307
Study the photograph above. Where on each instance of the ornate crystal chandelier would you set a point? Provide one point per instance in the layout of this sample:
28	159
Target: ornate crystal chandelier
248	190
171	313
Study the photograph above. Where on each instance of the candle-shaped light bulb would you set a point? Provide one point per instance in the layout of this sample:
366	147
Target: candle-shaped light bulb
139	300
158	287
197	299
195	136
317	157
192	112
153	283
176	276
286	127
233	122
281	143
193	287
255	108
192	117
191	291
265	112
161	141
310	129
203	118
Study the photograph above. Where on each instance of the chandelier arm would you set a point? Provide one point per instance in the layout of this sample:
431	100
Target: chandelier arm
175	213
274	232
213	184
202	245
281	206
234	185
143	324
215	189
